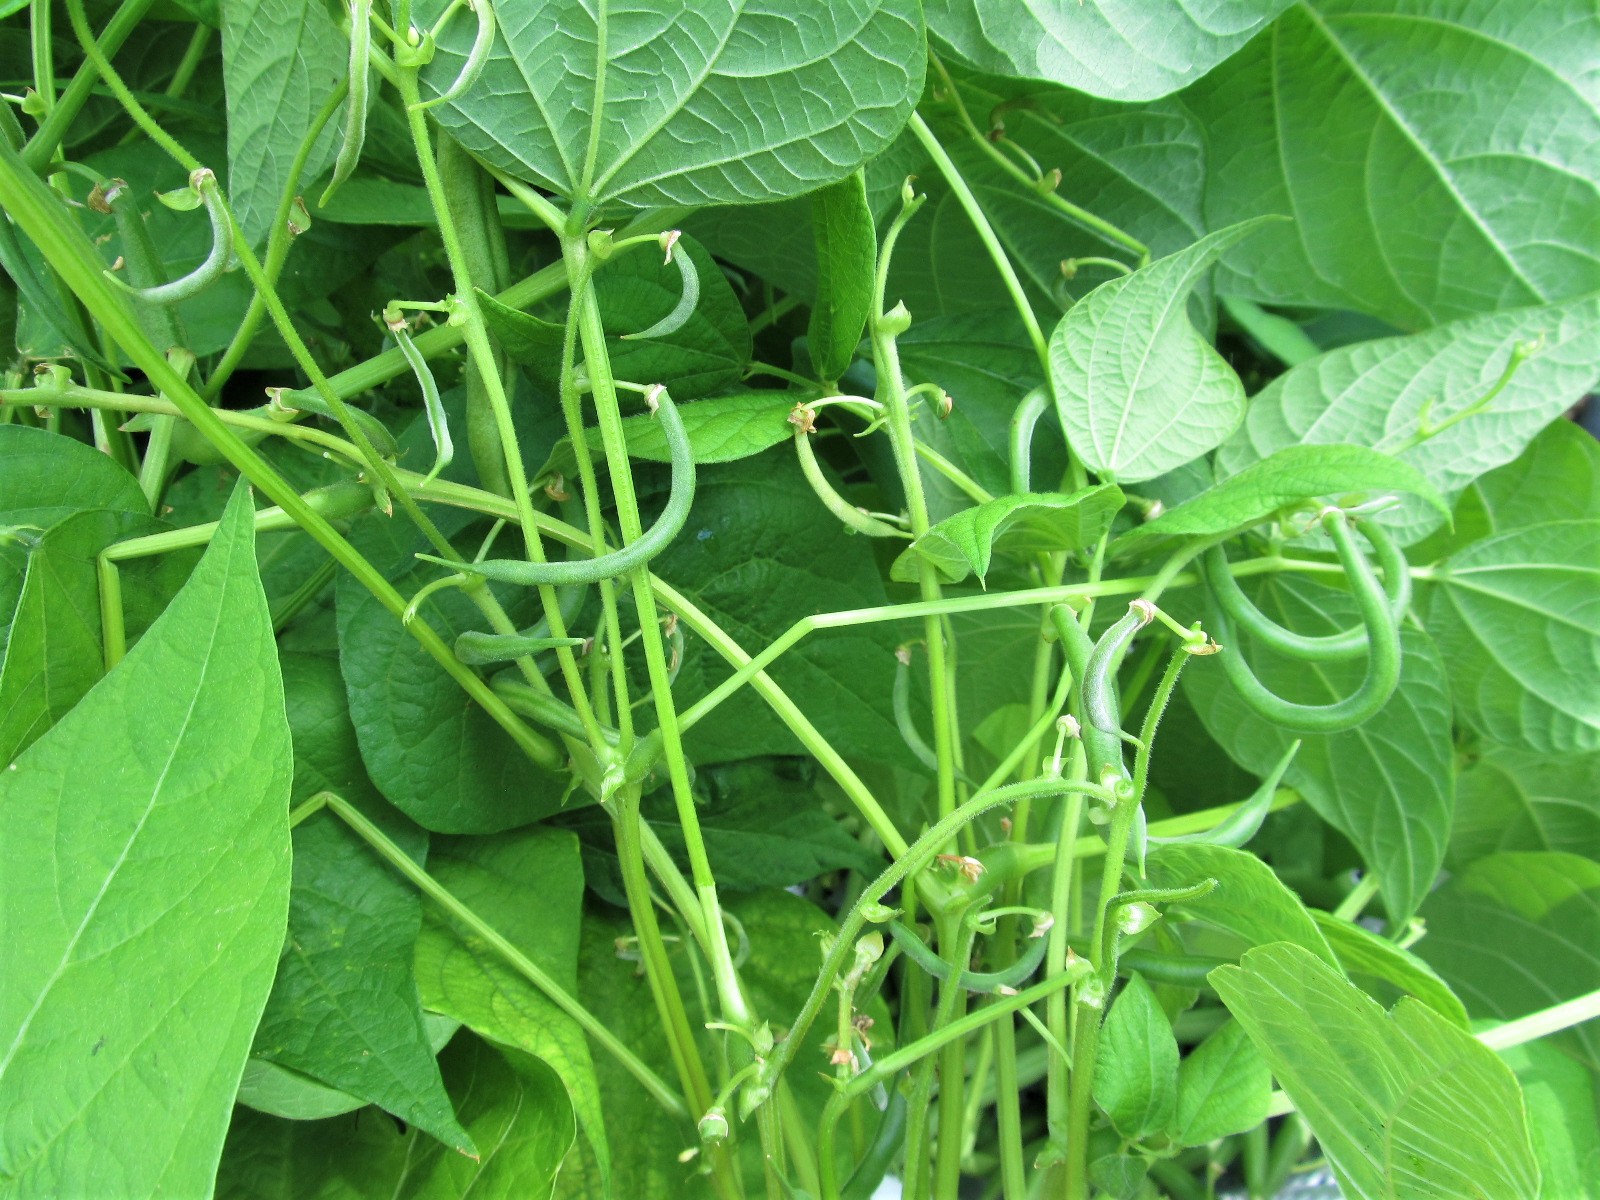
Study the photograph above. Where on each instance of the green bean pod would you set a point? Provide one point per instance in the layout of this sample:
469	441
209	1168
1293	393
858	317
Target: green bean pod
684	309
903	719
482	44
1094	669
619	562
355	111
881	1151
985	982
1350	643
1023	422
1383	663
216	262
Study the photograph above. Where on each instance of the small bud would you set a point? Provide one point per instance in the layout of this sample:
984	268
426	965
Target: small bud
1049	181
1068	724
1155	510
652	396
947	405
556	489
902	655
878	914
668	241
1136	918
908	194
713	1126
896	321
1043	923
102	194
869	949
299	217
1146	611
762	1040
803	417
968	868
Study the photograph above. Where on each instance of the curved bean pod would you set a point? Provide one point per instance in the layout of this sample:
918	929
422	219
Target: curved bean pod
987	982
1383	663
209	271
1351	643
679	316
619	562
1023	422
355	110
482	43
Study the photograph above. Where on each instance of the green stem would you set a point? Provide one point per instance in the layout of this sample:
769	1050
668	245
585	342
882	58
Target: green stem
41	148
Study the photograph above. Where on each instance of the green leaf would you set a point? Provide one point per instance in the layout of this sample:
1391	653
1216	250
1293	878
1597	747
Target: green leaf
1387	785
1139	389
757	554
1034	523
1119	49
1249	901
528	886
847	270
1405	1105
721	429
1367	957
1289	478
1561	1119
511	1104
1375	394
1514	933
49	477
1136	1066
708	353
1517	619
1224	1087
431	751
53	652
1402	203
145	888
701	105
1514	799
281	60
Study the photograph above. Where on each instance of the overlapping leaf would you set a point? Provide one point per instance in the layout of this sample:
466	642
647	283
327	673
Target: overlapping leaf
1032	523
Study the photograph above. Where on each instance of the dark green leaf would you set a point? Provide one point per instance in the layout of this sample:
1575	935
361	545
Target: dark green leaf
1034	523
1387	785
847	270
1404	1103
1517	619
741	104
1136	1071
1518	932
1224	1087
49	477
1139	389
137	968
1402	204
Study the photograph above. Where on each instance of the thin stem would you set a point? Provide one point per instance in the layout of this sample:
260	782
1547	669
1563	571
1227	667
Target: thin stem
42	147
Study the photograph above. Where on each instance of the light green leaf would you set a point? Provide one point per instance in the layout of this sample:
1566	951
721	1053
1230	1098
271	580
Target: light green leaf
847	269
1033	523
1367	957
1376	393
1405	1105
1119	49
708	353
1249	901
721	429
1136	1067
1561	1118
145	880
1387	785
1139	389
1224	1087
1513	799
281	60
1408	208
511	1104
1290	477
49	477
742	103
1517	619
1514	933
528	886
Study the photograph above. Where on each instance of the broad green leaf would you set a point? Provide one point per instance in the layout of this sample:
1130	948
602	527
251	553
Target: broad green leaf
847	269
145	888
1387	785
1224	1087
49	477
371	200
52	653
431	751
1139	389
721	429
757	554
1369	959
1405	1105
1514	799
1249	901
1136	1068
1561	1120
1290	477
281	60
1034	523
511	1104
708	353
528	887
699	105
1517	619
1376	393
1514	933
1415	210
1119	49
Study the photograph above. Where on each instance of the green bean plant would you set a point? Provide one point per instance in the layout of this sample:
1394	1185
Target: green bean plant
821	600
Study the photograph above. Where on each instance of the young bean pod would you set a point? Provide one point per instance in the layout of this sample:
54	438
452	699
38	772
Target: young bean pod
355	105
619	562
983	982
1383	662
684	309
1350	643
204	183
